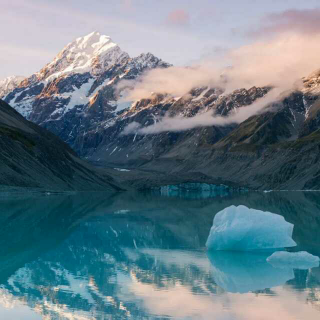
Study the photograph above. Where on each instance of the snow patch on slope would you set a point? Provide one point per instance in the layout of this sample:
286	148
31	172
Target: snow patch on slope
79	96
201	95
9	83
24	106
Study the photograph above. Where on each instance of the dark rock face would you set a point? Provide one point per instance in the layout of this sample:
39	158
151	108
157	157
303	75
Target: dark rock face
33	157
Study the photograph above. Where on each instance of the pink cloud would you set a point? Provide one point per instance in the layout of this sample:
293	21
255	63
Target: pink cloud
178	17
305	21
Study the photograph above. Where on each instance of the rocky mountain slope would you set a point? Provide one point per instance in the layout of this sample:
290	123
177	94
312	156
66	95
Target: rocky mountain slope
8	84
35	158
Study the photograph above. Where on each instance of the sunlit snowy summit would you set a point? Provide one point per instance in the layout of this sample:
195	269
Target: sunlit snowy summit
93	53
76	76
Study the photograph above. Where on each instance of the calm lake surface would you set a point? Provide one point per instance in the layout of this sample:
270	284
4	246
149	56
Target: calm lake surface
142	256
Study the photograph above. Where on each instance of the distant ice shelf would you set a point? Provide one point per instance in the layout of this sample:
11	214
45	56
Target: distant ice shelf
243	229
196	190
294	260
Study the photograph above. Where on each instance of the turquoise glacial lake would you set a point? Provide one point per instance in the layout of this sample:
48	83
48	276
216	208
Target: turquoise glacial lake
90	256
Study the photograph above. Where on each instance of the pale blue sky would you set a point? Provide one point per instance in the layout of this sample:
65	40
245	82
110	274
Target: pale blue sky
178	31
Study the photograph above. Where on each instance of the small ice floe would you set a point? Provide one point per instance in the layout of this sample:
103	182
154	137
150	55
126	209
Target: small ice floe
294	260
120	169
243	229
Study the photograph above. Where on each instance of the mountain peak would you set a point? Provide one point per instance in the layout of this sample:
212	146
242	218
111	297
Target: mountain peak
92	53
93	40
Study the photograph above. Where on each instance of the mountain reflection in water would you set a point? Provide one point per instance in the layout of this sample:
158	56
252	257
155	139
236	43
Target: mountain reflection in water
142	256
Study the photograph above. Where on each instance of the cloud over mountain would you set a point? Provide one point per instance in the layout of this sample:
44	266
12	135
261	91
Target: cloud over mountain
179	17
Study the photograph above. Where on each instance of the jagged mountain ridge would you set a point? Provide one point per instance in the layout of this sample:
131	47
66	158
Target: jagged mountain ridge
108	145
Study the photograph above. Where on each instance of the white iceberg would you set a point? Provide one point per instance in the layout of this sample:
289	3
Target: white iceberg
243	229
242	272
294	260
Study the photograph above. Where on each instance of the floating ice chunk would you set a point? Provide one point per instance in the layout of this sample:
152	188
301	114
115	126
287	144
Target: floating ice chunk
242	229
295	260
242	272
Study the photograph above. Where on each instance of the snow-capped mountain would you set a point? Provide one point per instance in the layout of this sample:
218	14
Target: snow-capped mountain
76	76
93	53
77	90
77	97
9	83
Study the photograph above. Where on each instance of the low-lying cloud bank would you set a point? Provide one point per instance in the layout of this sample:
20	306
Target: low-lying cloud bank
279	60
204	119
